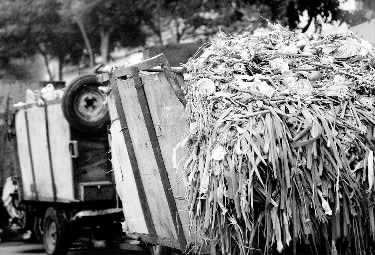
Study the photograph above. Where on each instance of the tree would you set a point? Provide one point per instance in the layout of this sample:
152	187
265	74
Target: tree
35	26
190	18
107	22
288	11
76	11
114	21
364	12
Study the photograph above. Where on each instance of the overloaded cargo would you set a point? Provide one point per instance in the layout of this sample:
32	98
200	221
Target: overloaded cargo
282	143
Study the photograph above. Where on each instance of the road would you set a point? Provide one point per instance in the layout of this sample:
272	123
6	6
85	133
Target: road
24	248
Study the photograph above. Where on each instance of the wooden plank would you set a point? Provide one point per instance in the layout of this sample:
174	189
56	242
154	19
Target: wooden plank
133	160
39	150
159	160
150	175
31	157
24	158
124	177
59	136
51	169
170	121
146	64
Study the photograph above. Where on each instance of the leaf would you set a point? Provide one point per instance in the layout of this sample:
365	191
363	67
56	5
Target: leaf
372	220
276	229
370	169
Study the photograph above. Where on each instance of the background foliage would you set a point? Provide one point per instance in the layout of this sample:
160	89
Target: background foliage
71	31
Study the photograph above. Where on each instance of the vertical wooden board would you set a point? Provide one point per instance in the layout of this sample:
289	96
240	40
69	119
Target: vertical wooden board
150	175
24	158
59	136
124	178
39	150
172	127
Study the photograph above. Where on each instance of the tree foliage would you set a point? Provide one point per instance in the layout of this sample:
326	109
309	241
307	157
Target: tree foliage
68	29
108	23
35	26
362	14
288	12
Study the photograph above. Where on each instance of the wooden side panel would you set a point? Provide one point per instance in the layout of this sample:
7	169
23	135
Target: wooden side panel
125	182
39	150
156	198
24	158
171	126
59	135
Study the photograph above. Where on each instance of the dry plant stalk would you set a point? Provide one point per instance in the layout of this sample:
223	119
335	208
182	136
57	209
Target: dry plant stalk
281	141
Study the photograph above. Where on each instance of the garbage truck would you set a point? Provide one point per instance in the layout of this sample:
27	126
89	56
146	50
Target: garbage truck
64	184
66	181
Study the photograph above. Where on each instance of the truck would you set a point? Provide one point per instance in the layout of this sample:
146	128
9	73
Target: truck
64	184
103	159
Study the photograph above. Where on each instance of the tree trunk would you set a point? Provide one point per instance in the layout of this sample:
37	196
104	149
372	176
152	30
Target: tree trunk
87	41
178	34
61	67
159	23
156	29
104	45
307	25
160	37
46	63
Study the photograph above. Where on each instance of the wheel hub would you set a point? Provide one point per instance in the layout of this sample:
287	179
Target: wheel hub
91	106
51	236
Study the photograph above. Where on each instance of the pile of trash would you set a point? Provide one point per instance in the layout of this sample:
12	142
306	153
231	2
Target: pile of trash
40	97
282	143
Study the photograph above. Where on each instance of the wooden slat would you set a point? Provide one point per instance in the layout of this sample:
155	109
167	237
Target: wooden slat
133	159
124	177
31	157
59	136
24	156
146	64
51	164
156	198
169	118
39	151
159	159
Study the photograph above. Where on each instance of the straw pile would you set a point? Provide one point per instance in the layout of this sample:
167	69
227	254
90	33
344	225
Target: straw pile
282	143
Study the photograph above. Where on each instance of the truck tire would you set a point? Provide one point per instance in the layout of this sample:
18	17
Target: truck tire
56	234
157	250
83	105
161	250
37	229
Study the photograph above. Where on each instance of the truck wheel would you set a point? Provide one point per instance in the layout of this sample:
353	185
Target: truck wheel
157	250
37	235
55	232
83	105
161	250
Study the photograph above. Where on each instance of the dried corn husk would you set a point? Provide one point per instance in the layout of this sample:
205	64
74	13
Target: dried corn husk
283	148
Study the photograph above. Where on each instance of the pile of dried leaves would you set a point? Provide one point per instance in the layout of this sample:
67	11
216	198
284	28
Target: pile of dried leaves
282	143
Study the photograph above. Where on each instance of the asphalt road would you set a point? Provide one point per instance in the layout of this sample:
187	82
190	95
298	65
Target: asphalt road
24	248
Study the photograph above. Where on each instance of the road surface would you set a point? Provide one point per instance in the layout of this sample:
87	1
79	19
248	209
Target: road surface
24	248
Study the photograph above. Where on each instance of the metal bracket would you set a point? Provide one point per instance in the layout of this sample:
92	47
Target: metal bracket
73	148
